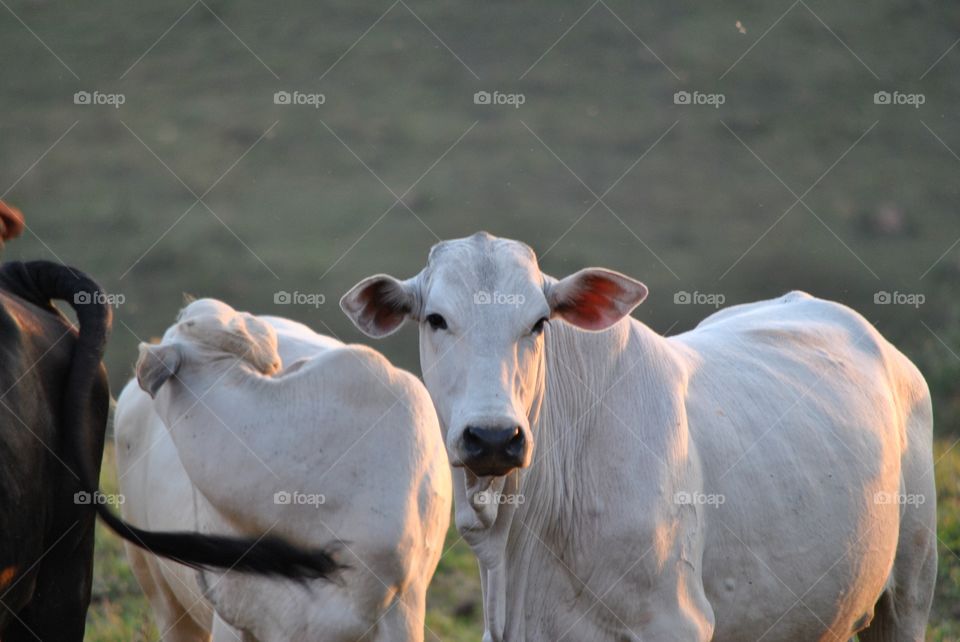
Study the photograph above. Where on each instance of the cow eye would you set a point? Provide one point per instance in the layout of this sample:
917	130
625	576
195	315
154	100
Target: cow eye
538	326
436	322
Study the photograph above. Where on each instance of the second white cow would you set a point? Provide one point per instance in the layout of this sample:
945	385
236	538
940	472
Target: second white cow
258	424
766	476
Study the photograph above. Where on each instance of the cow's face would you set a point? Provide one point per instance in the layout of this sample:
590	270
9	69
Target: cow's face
481	351
483	306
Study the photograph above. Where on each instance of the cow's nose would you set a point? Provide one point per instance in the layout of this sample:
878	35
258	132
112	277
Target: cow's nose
493	450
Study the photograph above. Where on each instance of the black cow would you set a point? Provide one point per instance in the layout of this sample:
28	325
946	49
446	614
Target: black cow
53	412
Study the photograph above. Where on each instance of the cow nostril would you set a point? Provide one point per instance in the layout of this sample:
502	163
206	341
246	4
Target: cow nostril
516	444
493	450
471	439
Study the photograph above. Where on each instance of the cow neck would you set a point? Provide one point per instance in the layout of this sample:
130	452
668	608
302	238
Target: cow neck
197	417
587	375
579	369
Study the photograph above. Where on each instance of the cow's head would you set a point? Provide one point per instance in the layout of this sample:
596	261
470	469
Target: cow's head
205	330
483	304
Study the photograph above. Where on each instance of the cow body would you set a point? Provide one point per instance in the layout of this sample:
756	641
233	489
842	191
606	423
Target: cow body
46	544
767	475
831	429
746	474
334	422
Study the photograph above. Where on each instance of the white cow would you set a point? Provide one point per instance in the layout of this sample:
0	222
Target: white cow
766	476
260	425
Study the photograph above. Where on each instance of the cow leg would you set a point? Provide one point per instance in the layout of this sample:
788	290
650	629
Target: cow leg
173	620
58	610
901	613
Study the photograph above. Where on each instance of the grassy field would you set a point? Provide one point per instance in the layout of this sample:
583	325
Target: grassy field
200	183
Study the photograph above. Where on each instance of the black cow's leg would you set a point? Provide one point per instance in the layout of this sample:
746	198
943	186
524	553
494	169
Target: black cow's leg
58	609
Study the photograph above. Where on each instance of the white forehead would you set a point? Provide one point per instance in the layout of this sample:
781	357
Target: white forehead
481	262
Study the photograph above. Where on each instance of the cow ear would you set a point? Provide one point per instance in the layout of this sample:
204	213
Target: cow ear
157	363
595	298
11	221
379	304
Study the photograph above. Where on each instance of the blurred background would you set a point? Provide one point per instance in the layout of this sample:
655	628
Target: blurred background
273	154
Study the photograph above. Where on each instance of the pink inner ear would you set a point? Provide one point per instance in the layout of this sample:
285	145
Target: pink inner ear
382	307
385	318
593	306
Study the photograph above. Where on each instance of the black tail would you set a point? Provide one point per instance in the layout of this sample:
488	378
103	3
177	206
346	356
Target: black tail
41	281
